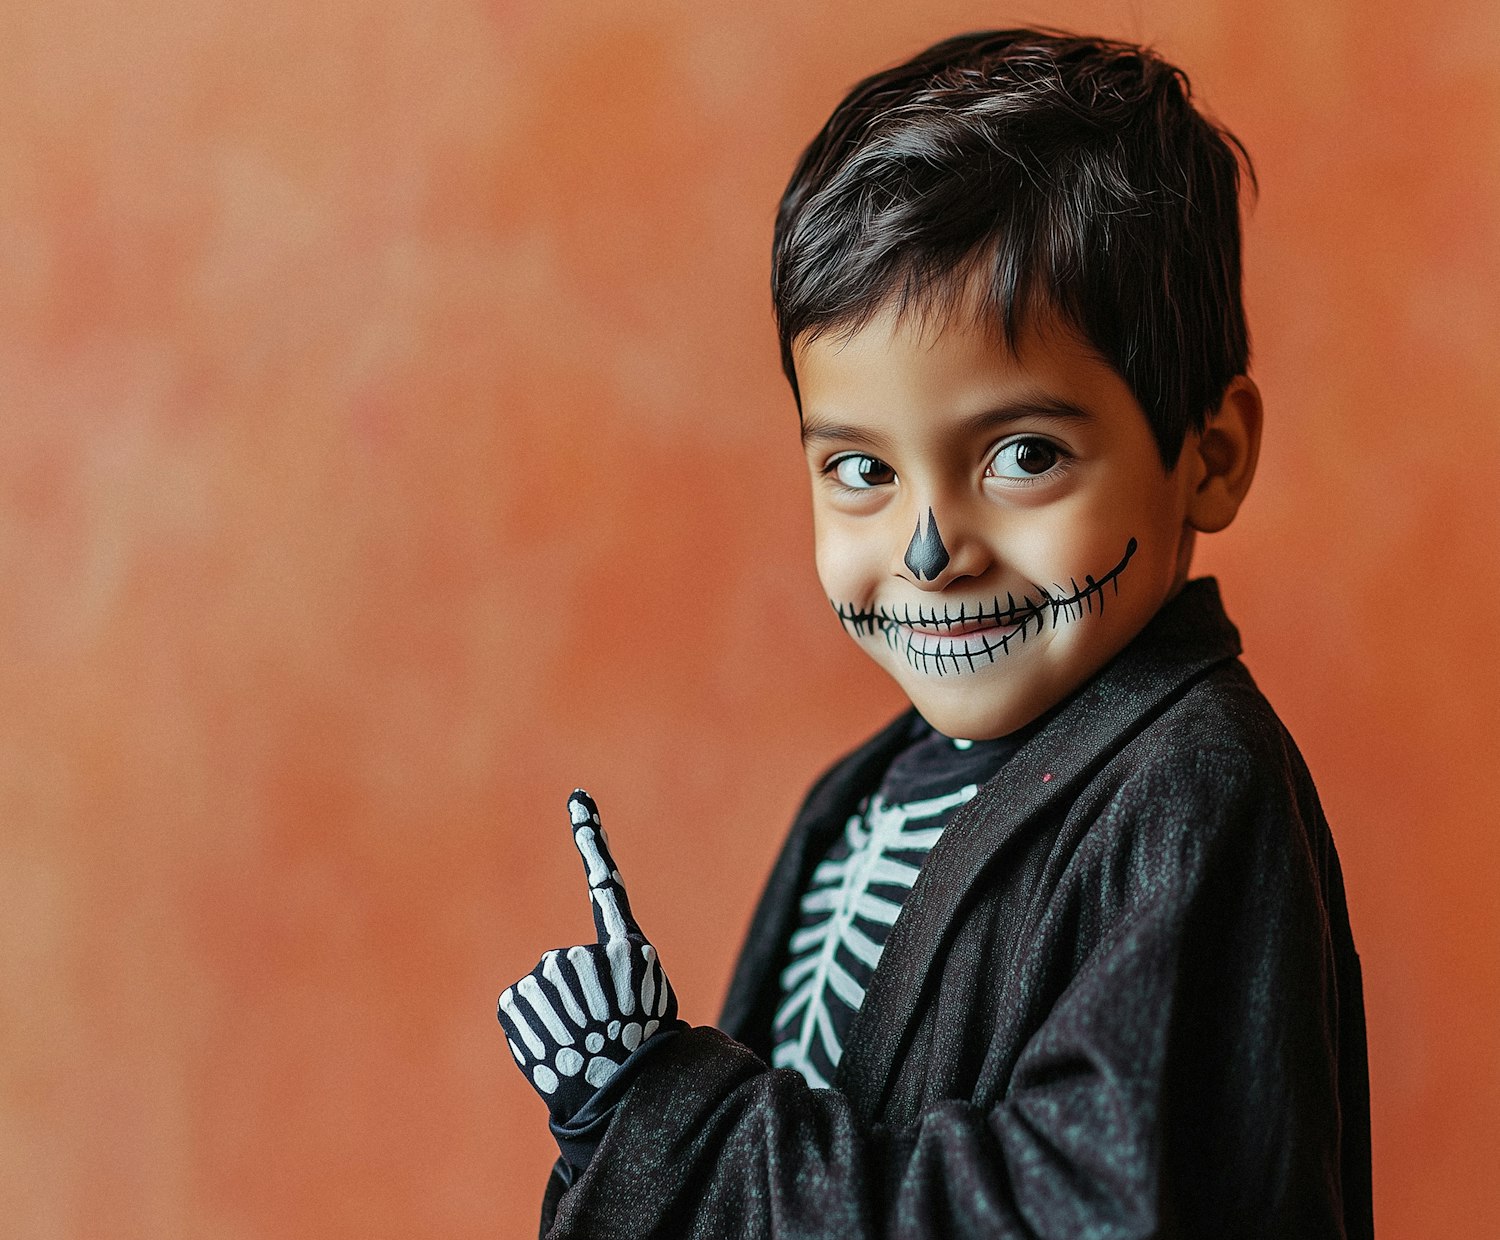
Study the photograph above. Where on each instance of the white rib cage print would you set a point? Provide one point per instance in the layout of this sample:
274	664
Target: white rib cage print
852	928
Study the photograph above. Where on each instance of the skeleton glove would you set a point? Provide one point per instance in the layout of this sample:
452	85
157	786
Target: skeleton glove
575	1018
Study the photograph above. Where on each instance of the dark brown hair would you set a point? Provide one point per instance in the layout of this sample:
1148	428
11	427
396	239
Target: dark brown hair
1077	170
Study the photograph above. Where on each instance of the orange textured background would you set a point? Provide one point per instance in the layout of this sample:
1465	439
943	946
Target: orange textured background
392	439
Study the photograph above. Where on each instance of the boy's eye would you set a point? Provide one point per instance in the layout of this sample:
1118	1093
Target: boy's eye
1024	458
861	472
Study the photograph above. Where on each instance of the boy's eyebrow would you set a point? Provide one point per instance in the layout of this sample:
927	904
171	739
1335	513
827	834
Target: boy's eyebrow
818	432
1029	407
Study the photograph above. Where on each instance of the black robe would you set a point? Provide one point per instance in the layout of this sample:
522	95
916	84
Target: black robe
1122	999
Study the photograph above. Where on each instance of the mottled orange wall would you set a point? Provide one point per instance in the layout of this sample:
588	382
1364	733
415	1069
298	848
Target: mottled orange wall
392	438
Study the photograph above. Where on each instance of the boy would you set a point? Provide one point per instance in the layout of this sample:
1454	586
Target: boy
1063	951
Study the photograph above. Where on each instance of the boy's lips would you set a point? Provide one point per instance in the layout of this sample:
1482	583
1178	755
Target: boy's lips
957	646
991	616
958	628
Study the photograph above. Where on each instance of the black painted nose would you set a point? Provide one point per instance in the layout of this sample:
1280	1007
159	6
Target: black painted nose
925	554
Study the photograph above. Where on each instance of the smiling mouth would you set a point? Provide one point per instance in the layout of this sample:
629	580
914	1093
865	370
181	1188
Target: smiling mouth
976	634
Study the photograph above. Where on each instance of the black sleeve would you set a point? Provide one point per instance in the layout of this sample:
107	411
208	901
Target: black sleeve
579	1136
1183	1083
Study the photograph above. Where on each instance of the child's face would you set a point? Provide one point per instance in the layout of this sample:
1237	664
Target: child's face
991	528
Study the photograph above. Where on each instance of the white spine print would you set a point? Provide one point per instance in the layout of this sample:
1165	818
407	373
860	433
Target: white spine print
815	978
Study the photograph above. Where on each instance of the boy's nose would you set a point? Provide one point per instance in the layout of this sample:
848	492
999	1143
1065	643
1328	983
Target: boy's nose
926	555
940	550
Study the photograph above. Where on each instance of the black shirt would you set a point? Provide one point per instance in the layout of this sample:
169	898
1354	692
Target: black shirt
857	890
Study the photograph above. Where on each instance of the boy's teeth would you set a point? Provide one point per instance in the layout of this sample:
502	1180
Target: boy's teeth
955	627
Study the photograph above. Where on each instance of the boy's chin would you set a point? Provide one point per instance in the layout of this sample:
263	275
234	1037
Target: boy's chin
976	716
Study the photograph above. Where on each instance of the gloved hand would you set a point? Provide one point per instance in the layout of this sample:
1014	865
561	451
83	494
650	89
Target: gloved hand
579	1014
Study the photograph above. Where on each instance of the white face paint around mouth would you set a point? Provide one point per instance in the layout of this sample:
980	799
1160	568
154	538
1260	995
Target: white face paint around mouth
975	636
946	655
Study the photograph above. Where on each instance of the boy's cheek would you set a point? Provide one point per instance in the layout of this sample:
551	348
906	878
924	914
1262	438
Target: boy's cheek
847	566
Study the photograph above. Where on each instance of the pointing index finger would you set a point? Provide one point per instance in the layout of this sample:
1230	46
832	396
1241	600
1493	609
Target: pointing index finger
611	906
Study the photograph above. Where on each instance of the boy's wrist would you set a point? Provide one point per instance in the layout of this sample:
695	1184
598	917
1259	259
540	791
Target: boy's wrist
579	1135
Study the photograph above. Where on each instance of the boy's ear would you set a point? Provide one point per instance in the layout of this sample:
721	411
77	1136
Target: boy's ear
1225	454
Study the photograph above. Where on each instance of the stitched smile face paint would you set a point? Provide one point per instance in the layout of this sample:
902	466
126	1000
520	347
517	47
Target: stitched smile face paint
991	527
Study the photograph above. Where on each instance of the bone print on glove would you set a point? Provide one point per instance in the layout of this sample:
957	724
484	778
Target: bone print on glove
580	1013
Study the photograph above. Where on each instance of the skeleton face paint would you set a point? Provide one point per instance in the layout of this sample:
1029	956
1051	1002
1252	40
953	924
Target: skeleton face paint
925	554
950	643
991	527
